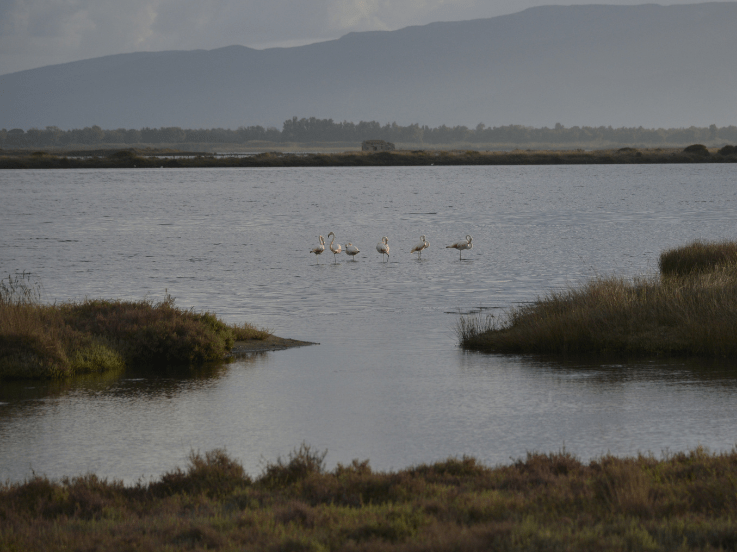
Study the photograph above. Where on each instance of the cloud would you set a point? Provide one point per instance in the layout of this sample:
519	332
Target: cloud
34	33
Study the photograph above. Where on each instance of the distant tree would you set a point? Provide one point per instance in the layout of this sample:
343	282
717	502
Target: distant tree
132	136
172	135
16	137
114	136
728	133
92	135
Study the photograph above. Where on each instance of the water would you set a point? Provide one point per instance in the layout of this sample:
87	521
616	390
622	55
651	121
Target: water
387	381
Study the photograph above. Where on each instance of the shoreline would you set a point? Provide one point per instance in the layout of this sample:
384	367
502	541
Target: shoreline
149	158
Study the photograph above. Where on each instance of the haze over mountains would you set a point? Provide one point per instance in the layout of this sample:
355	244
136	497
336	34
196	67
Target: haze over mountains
649	65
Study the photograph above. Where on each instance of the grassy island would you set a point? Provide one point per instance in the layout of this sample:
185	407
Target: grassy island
684	501
155	158
97	335
688	309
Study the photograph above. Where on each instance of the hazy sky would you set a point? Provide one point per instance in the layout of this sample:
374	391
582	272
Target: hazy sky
34	33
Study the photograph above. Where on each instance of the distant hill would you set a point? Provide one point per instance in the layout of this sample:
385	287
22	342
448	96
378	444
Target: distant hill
646	65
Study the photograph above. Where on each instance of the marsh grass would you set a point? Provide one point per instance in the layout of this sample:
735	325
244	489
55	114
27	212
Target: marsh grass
698	256
95	335
690	309
683	501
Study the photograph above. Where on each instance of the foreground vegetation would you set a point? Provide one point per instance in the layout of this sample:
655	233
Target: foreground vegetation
690	308
685	501
132	158
95	335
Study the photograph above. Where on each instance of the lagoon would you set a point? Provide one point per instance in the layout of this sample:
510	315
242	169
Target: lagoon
387	381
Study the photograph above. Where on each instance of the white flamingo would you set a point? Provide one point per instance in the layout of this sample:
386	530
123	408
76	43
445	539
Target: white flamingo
420	246
383	248
334	248
461	245
351	250
319	249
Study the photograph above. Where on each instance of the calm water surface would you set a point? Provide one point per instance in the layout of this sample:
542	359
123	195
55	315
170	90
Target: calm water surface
387	381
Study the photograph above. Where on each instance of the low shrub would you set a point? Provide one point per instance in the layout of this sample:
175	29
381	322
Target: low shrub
300	464
214	474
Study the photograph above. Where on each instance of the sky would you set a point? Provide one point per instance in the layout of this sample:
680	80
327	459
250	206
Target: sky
36	33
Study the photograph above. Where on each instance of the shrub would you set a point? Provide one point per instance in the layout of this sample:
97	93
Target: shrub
697	149
214	474
728	150
299	464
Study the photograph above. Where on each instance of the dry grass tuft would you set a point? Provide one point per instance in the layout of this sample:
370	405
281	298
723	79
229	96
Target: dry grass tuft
699	256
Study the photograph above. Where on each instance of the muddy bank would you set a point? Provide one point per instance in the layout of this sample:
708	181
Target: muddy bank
271	343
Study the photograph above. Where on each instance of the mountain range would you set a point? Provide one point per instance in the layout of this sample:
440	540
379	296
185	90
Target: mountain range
647	65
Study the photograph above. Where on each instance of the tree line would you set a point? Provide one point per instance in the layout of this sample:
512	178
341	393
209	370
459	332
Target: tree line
311	129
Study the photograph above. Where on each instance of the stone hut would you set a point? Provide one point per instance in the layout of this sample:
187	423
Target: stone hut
377	145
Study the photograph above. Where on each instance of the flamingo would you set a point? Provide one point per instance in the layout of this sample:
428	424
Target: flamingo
420	246
334	248
383	247
319	249
351	250
461	245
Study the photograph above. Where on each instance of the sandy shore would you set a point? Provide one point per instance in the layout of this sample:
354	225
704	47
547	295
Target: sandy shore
271	343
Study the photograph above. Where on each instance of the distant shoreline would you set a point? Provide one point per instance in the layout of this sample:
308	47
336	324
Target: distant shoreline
149	158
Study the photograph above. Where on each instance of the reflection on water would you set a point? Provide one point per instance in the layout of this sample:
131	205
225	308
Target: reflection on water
388	382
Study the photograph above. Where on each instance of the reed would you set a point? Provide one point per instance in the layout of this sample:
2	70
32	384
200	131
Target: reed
689	310
96	335
683	501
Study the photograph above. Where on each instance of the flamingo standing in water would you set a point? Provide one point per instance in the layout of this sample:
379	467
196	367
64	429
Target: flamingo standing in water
334	248
461	245
351	250
319	249
420	246
383	248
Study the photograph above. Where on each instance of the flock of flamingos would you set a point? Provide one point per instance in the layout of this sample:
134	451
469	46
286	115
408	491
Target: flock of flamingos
383	247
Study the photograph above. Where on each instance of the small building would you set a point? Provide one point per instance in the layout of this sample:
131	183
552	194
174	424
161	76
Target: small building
377	145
